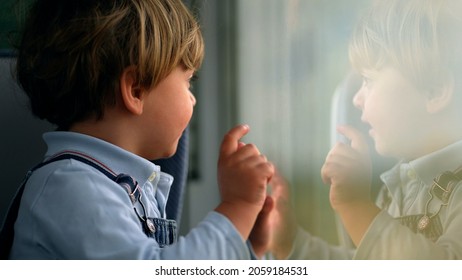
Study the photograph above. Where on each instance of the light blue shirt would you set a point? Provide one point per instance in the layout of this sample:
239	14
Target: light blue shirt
70	210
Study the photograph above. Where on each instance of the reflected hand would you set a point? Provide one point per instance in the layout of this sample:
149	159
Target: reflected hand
283	222
348	170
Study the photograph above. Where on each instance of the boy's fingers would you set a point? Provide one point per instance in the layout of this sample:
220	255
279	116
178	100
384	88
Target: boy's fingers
230	142
267	206
358	141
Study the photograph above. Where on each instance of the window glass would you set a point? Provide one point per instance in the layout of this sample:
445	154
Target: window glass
292	55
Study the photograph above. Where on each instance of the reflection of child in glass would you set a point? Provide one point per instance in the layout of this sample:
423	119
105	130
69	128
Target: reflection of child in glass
114	76
410	55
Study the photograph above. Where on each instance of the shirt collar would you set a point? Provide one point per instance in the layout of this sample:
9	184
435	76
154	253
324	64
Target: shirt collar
112	156
430	166
426	168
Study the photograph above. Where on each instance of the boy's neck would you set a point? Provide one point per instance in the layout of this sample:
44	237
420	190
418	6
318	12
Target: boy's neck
107	130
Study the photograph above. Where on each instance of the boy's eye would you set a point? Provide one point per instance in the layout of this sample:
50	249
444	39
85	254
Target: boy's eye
366	82
193	78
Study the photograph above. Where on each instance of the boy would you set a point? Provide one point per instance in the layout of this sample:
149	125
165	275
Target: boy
409	53
114	77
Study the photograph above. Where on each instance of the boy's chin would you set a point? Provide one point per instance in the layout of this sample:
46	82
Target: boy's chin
381	150
388	152
171	151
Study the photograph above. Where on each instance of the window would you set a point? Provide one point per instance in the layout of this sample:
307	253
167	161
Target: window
275	65
291	56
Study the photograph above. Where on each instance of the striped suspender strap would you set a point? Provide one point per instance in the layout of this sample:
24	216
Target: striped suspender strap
127	182
7	232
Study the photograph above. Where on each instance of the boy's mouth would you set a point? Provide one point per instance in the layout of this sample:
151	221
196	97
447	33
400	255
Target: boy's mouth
368	127
371	133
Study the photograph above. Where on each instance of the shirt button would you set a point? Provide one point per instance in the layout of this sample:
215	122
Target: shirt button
152	177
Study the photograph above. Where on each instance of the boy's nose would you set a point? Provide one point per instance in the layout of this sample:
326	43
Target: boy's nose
193	99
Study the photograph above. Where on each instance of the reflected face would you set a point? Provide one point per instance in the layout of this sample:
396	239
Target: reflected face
396	112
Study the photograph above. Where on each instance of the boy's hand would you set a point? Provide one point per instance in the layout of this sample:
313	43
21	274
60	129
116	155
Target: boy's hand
261	234
348	170
243	174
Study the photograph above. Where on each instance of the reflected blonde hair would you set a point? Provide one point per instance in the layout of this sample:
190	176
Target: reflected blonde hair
420	38
72	53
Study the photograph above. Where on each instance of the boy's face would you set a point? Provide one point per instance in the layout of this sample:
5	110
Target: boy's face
396	112
168	109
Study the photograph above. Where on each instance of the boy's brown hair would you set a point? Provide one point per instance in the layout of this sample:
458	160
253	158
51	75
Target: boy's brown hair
72	53
420	38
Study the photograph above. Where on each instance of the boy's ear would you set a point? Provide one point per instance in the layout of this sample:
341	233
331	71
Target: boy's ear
440	98
131	92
